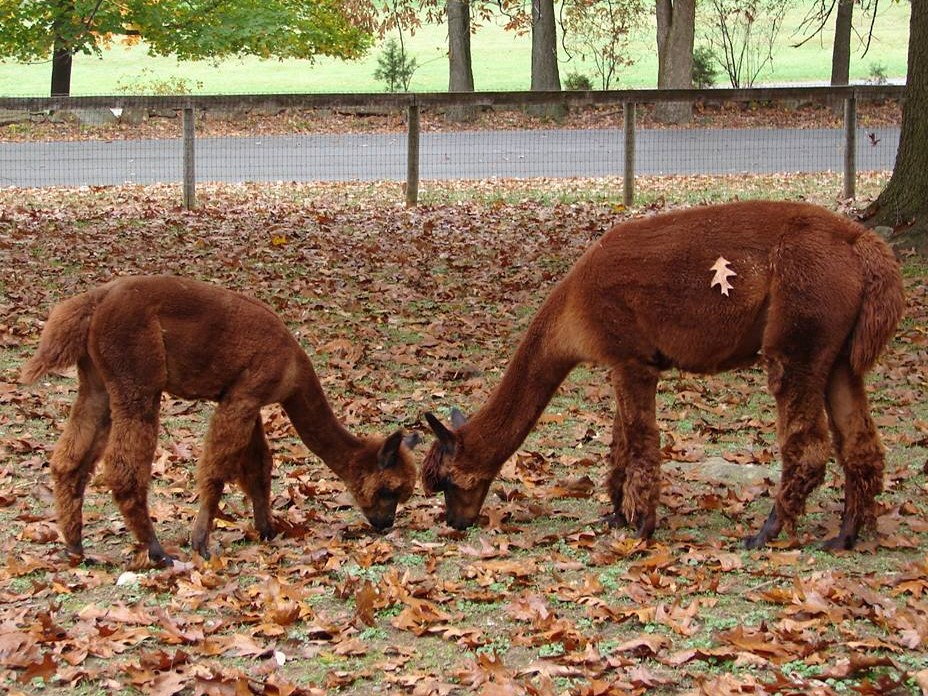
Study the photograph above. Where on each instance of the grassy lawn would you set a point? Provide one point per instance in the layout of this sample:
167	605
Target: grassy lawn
407	311
501	62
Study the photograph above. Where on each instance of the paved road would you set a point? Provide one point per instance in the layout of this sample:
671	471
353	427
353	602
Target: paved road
467	155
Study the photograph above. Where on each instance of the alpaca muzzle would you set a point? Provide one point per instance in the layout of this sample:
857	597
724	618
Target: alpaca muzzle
381	523
459	522
462	505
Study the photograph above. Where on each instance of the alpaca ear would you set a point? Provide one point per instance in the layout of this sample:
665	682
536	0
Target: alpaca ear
388	454
457	418
412	440
445	437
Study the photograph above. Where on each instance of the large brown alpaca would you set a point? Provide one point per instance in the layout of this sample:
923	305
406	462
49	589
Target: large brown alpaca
812	295
136	337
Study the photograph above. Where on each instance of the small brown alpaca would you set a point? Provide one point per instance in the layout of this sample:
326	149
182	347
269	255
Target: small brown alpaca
136	337
813	295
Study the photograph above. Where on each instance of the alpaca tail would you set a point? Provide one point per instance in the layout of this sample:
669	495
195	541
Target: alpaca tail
64	338
883	301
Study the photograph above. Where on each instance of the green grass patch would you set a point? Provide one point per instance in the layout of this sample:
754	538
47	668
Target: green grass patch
501	61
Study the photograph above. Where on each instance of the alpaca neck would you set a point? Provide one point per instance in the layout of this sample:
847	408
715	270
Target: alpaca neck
318	427
532	377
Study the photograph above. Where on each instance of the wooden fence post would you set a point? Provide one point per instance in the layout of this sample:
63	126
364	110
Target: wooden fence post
412	156
190	180
850	147
628	109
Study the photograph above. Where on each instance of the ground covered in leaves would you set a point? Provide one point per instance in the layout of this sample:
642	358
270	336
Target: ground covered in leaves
267	121
405	311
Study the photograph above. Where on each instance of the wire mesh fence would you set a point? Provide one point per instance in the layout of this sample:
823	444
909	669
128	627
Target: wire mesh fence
104	141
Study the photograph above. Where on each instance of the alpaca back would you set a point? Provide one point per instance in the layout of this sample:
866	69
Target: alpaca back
64	338
883	301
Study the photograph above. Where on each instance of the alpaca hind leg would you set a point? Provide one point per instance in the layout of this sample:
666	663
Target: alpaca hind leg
255	479
804	446
78	449
636	386
128	461
859	451
227	444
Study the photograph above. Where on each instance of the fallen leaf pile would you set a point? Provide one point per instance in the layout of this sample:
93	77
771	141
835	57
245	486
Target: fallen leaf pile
406	311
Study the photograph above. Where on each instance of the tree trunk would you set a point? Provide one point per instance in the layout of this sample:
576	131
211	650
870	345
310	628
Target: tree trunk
903	204
676	30
460	66
841	52
544	46
61	52
544	57
61	71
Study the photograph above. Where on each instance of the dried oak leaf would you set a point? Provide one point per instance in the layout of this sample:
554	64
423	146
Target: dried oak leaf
722	274
44	669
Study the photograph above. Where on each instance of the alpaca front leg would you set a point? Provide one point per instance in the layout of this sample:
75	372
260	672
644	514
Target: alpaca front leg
255	480
227	445
642	492
636	459
210	493
618	457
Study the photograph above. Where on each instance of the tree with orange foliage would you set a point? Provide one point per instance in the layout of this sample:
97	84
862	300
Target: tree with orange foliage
191	30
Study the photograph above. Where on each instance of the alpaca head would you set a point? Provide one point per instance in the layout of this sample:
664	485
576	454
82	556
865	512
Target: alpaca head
384	476
464	490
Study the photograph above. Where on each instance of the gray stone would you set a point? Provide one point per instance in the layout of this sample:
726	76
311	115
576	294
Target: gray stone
134	116
718	470
229	113
94	117
9	117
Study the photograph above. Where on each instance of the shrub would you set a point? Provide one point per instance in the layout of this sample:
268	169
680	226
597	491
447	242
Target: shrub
577	81
146	82
395	67
877	74
704	70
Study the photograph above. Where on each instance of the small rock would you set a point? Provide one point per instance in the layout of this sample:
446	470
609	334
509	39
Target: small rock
718	470
8	117
127	578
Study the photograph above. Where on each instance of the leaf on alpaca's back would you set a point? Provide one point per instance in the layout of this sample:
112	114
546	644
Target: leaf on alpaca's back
722	274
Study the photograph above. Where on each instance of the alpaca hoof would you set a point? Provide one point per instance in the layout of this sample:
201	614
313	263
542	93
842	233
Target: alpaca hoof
199	542
74	549
645	528
458	522
265	534
381	525
769	530
75	557
615	520
839	543
159	557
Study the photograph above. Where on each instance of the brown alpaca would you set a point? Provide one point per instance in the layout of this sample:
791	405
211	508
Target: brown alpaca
136	337
813	295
